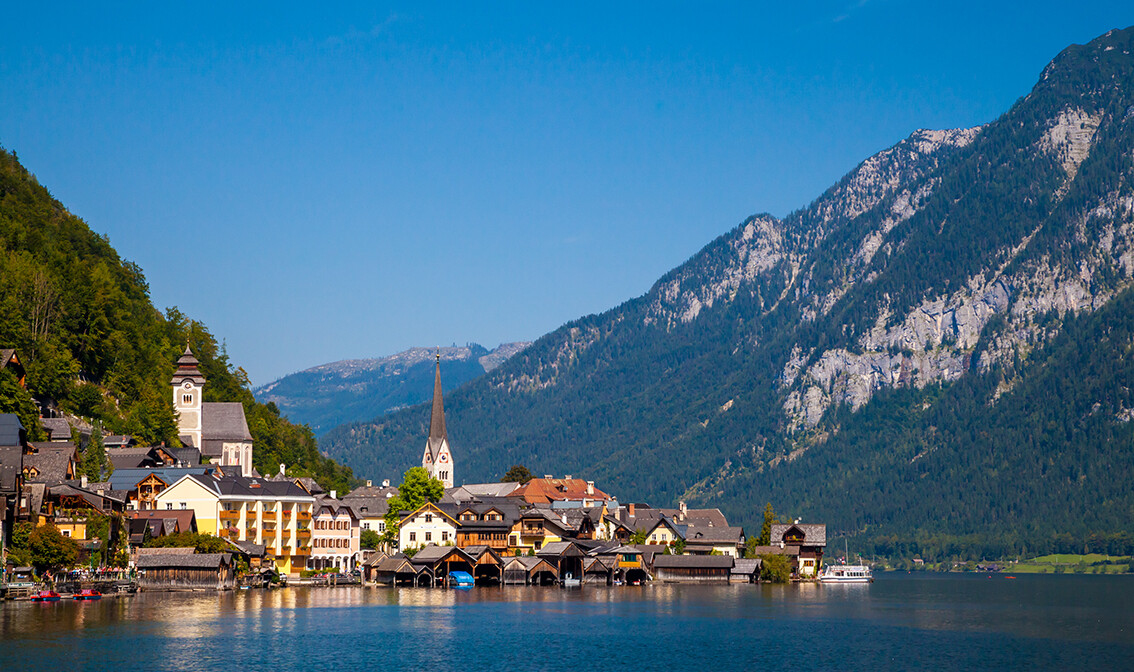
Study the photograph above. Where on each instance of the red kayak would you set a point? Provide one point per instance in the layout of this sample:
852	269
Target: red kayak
88	594
45	596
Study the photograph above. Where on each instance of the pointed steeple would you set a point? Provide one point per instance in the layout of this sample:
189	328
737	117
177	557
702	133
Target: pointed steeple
187	369
437	419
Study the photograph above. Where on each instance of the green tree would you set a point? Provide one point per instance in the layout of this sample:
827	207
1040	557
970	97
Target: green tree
15	399
766	531
370	539
517	474
417	488
775	568
200	543
639	537
94	464
50	550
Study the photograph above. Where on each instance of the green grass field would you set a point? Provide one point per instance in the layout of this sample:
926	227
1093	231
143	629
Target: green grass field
1090	563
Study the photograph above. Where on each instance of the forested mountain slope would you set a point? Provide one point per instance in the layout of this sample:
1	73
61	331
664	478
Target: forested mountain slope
934	347
94	344
350	390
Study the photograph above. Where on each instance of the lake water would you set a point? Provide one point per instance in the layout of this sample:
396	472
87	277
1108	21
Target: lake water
917	621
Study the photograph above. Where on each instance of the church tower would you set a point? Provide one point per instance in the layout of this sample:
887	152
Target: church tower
188	384
438	461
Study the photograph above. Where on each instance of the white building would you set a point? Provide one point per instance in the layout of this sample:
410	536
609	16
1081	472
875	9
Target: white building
427	525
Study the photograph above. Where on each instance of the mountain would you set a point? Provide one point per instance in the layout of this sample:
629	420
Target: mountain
931	357
81	319
351	390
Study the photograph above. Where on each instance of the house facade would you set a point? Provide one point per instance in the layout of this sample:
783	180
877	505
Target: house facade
427	525
335	536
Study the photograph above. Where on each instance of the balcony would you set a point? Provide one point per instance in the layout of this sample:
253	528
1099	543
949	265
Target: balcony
286	514
303	515
303	533
251	516
229	515
301	551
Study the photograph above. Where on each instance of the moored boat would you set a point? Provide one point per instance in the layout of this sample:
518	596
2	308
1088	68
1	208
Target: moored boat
45	596
88	594
846	574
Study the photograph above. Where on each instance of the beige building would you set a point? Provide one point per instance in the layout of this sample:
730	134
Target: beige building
218	429
335	536
276	514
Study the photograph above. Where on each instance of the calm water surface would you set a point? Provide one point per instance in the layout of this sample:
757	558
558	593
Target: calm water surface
945	622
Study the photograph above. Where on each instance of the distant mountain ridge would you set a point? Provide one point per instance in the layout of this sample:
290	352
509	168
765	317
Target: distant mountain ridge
933	356
361	389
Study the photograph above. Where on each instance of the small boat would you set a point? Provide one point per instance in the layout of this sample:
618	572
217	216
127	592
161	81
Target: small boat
88	594
45	596
460	580
846	574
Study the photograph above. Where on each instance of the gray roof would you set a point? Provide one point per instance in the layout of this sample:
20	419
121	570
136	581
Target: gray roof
437	433
559	549
127	458
814	534
11	431
693	561
222	422
697	517
11	466
368	491
51	461
432	553
58	429
477	491
128	479
187	369
191	560
714	535
746	566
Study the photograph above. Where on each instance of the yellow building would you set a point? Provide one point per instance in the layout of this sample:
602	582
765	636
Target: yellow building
275	513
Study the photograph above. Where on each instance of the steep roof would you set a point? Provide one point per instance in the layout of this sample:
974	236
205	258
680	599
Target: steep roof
813	534
11	430
546	490
58	429
51	462
714	535
437	433
185	521
128	479
11	466
224	420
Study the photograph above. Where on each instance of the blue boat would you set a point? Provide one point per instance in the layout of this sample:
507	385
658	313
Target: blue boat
460	579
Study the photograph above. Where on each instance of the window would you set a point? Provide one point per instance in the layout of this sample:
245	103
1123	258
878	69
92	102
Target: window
413	536
186	398
169	506
66	533
429	517
381	526
183	506
366	526
444	536
429	536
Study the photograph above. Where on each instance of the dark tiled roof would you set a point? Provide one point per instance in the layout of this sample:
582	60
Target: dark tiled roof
128	458
437	433
187	368
128	479
814	535
714	535
11	466
188	560
432	553
58	429
693	561
370	491
51	462
222	422
697	517
746	566
11	431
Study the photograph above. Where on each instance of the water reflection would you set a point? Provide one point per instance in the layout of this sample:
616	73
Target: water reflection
977	620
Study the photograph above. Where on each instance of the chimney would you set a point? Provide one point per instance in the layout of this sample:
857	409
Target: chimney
563	516
630	509
83	481
568	477
590	487
682	510
548	476
385	483
281	470
368	482
334	494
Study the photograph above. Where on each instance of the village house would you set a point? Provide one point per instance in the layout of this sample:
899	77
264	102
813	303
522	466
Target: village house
370	503
427	525
335	535
217	429
806	543
182	569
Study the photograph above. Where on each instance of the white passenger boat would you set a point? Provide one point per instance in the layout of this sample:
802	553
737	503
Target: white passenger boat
846	574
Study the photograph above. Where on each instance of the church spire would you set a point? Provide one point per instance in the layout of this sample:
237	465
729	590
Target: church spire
437	419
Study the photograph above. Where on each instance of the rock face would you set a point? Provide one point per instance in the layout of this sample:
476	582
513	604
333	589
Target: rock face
954	255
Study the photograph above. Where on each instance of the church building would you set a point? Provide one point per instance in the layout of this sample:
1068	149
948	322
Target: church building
438	460
218	429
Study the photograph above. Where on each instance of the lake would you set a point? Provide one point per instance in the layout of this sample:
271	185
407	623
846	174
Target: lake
902	621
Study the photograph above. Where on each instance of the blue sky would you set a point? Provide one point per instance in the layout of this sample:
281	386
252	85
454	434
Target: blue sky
343	181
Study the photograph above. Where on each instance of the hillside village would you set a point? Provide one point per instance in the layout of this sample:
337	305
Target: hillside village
269	527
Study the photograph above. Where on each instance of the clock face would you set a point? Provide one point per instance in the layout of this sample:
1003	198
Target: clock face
444	458
187	384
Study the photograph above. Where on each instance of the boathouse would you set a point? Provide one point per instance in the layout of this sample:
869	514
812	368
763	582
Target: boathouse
693	568
185	571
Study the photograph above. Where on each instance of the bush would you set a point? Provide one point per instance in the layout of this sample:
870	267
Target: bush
775	568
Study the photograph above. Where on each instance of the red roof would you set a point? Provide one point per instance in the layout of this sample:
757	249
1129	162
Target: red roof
547	490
